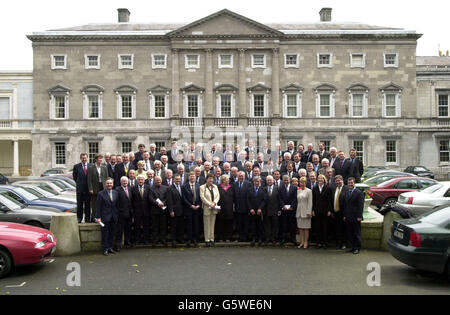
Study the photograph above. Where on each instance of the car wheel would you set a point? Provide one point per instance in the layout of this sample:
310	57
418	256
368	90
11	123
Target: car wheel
390	202
5	263
35	224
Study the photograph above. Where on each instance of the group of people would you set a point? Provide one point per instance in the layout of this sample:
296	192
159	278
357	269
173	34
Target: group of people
261	196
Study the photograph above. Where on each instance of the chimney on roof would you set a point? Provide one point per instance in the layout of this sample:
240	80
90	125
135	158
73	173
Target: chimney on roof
325	15
124	15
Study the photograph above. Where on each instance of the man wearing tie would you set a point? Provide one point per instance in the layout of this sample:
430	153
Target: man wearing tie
159	203
123	227
83	197
270	211
122	169
288	203
241	188
176	212
96	176
141	213
353	215
147	162
339	194
192	208
132	178
150	178
356	166
107	215
255	204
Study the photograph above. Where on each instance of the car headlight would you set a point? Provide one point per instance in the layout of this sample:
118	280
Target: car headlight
50	238
40	244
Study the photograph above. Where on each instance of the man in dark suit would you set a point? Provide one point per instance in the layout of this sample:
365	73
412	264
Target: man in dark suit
192	208
107	215
241	188
255	205
199	178
322	210
141	210
154	155
322	153
309	153
241	160
342	166
353	215
139	156
290	171
288	204
176	212
298	164
124	205
173	153
159	205
271	210
79	174
123	168
356	166
96	177
111	166
339	193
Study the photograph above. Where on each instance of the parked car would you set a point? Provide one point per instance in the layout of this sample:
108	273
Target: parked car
31	197
58	185
375	168
425	200
4	180
65	179
16	212
374	173
423	242
421	171
23	245
52	171
376	180
47	187
387	193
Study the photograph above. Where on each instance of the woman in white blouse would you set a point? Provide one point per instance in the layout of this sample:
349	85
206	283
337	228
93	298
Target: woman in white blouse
304	212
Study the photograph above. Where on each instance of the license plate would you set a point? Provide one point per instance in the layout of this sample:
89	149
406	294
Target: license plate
398	234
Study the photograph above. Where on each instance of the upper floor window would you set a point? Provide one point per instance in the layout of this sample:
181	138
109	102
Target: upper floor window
126	102
5	107
192	61
159	61
192	106
258	61
291	61
226	61
126	61
92	61
92	101
358	100
325	104
259	105
391	101
59	102
357	60
443	103
225	105
324	60
59	61
390	60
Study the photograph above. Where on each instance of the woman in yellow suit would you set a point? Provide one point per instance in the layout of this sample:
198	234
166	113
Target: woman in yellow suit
210	195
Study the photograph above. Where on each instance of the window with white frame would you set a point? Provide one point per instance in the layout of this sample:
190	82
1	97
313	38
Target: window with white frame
225	106
259	105
59	106
126	61
391	106
325	105
192	106
59	61
292	105
159	106
444	151
391	151
291	60
192	61
92	61
126	106
92	106
159	61
5	107
357	60
326	144
358	104
93	151
258	60
159	145
359	146
295	144
443	101
226	61
59	156
126	147
390	60
324	60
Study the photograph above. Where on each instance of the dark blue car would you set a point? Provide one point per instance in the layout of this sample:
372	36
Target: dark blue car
30	197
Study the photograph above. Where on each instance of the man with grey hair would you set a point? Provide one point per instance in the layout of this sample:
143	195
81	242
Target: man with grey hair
158	169
270	211
165	163
150	178
154	155
288	204
256	204
123	226
141	214
168	181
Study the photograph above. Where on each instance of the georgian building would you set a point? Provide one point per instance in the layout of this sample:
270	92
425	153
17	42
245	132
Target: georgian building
108	87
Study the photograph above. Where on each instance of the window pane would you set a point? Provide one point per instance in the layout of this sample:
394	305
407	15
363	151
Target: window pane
159	145
225	60
443	105
93	106
358	101
60	107
225	105
324	59
258	105
160	106
357	60
291	60
60	61
5	112
92	151
359	146
193	106
192	60
60	153
126	147
327	144
391	151
325	108
126	60
391	105
127	107
291	101
159	60
444	151
390	59
258	60
93	61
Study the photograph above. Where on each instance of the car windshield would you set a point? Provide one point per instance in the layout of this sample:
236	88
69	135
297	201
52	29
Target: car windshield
378	179
34	192
437	217
9	202
386	182
431	189
43	192
59	185
49	189
420	169
26	194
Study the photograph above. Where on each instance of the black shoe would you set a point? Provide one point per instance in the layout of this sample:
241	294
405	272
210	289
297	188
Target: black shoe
350	250
253	244
111	251
116	249
188	244
154	245
259	243
174	244
324	246
207	244
195	243
105	253
319	246
356	251
212	243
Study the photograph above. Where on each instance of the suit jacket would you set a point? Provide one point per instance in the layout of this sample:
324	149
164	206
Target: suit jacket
323	155
271	203
137	157
307	157
111	172
176	201
240	197
322	201
161	193
172	155
106	208
354	205
141	207
239	165
299	166
124	205
288	197
80	178
120	171
93	178
207	198
188	198
200	180
356	169
342	197
256	200
226	203
154	156
344	171
304	203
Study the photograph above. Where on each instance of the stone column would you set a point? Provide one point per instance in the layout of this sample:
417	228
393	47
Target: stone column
242	100
275	83
16	159
209	85
175	85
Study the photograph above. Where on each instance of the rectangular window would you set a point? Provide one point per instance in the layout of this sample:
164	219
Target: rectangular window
60	107
326	143
325	105
359	146
92	151
159	145
443	101
126	147
126	61
390	60
357	61
444	151
59	61
192	106
127	106
5	108
391	105
291	105
159	61
192	61
160	106
226	61
291	61
259	105
93	106
391	151
258	61
225	105
59	154
357	105
324	60
92	61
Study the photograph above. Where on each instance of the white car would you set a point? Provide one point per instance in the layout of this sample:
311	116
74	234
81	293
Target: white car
422	201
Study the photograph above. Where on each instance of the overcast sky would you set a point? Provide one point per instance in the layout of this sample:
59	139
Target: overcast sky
20	17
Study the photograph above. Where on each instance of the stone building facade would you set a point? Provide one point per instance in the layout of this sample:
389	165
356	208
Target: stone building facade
108	87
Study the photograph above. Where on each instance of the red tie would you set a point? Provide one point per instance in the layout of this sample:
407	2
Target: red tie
126	192
85	170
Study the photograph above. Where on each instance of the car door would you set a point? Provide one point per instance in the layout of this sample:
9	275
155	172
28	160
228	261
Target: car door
405	185
424	183
441	198
8	215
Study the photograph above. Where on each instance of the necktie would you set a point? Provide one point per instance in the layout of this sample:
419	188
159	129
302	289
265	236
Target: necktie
342	163
270	191
256	191
126	169
240	185
169	182
179	190
336	201
110	195
141	192
85	169
193	192
126	192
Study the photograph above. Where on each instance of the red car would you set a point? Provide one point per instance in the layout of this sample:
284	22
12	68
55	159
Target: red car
23	245
387	193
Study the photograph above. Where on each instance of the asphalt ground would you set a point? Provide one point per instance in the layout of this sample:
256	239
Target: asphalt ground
224	271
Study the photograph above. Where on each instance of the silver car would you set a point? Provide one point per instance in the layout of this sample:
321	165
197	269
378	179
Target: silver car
423	201
13	211
50	191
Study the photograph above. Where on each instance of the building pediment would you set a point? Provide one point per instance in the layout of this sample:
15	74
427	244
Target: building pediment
59	89
258	88
225	23
159	89
391	87
192	88
126	89
325	87
291	88
225	87
92	88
